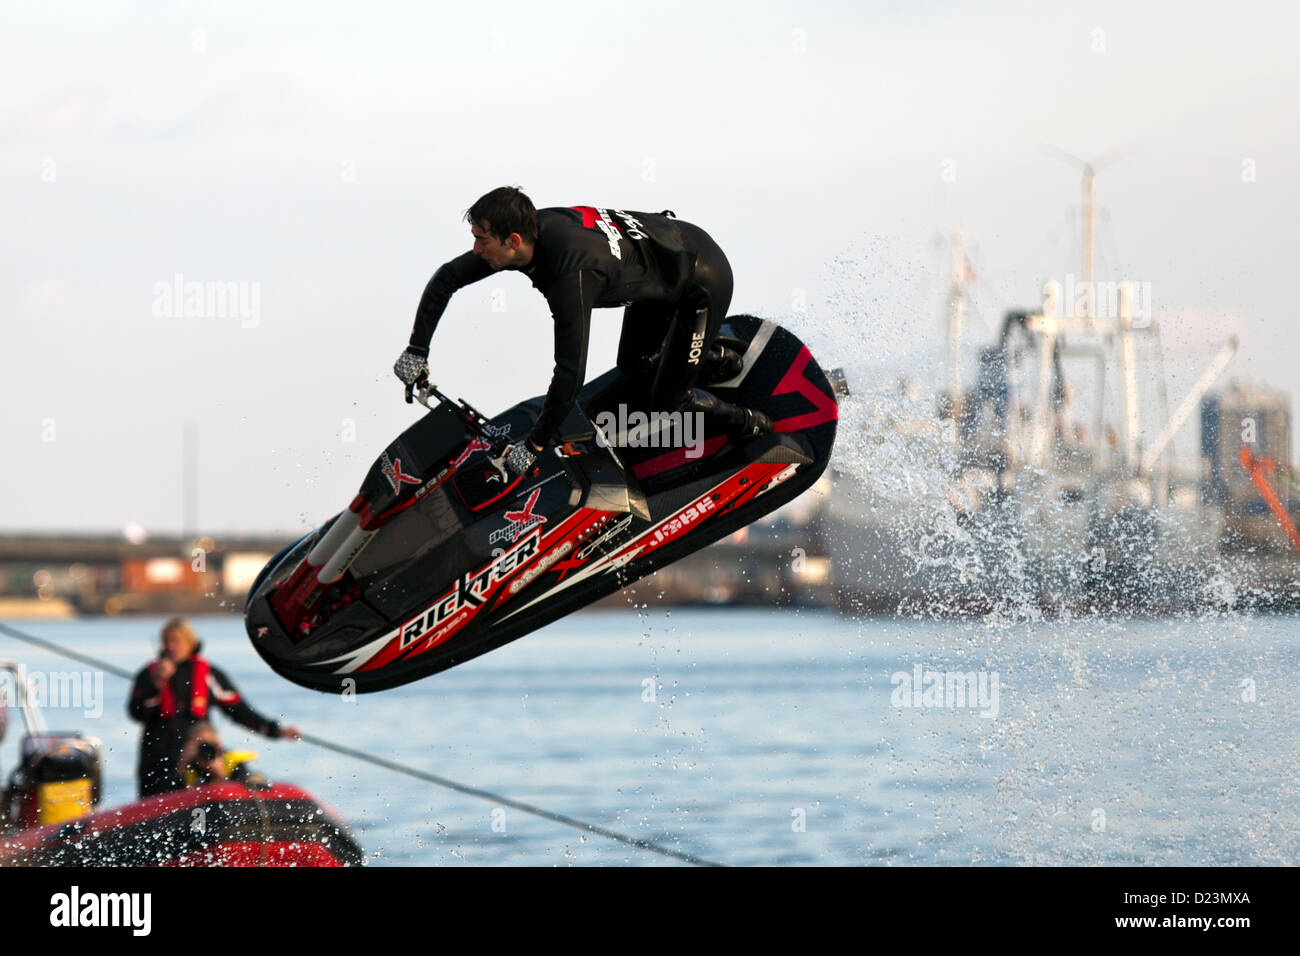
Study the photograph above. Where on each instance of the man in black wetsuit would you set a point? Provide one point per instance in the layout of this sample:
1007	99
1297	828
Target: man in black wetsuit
670	275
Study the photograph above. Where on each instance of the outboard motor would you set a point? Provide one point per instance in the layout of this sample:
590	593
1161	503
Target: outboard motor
58	775
57	780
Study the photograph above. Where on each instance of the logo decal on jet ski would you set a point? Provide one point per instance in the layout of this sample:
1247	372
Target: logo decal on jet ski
469	593
678	522
824	407
392	469
520	521
540	568
477	444
618	528
583	553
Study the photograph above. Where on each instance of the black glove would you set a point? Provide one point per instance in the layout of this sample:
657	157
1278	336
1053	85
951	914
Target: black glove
412	367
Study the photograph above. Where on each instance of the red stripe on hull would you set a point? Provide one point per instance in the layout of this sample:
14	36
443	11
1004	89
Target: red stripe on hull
289	853
677	457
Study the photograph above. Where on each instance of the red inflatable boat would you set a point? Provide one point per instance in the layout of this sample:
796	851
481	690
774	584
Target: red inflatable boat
48	812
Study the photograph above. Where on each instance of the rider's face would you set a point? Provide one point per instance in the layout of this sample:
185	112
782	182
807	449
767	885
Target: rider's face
497	253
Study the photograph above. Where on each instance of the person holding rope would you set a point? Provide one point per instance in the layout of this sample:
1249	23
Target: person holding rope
173	694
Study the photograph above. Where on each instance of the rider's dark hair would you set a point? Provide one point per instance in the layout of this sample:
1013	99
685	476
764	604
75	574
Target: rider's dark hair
506	210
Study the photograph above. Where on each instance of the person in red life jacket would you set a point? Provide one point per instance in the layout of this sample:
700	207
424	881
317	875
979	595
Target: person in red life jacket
175	692
672	278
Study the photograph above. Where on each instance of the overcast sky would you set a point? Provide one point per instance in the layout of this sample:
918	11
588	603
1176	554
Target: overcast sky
321	155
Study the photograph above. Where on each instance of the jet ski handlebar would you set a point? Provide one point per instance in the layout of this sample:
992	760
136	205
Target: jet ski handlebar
474	419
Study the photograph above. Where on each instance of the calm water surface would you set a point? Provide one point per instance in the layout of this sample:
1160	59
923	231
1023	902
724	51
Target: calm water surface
780	737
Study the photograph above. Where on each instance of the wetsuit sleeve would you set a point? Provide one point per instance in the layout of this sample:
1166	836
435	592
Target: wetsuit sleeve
571	299
454	275
227	698
143	703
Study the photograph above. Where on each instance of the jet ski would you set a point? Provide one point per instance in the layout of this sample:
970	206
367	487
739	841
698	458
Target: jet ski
443	555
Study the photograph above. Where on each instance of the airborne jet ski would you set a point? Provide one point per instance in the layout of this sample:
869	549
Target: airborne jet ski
443	555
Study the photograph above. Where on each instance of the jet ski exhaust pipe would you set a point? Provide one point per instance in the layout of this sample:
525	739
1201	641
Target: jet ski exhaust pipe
334	553
339	532
342	559
324	565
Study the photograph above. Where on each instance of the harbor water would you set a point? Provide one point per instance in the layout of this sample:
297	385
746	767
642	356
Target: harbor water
769	736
